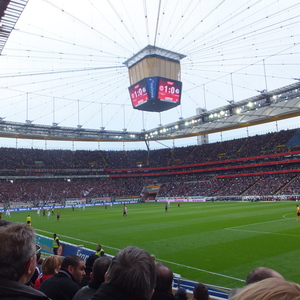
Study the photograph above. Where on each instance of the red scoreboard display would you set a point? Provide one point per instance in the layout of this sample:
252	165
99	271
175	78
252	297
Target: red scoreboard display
155	94
169	90
138	93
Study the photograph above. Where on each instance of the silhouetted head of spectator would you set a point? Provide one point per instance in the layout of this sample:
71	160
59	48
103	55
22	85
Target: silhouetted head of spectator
100	267
90	261
164	278
200	292
181	294
133	271
88	269
261	273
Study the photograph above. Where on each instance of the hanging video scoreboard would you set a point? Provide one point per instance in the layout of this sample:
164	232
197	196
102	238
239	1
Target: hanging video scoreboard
155	94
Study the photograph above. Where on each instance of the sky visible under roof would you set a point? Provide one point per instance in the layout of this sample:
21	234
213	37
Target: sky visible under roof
64	62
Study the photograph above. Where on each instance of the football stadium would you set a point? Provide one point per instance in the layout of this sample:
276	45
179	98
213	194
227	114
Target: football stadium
167	126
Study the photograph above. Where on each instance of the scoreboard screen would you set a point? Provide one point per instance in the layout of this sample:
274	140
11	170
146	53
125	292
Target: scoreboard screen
138	93
169	90
155	94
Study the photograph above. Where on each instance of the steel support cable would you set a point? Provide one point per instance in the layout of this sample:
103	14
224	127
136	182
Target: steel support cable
254	22
88	26
157	23
62	41
236	14
146	21
123	23
253	33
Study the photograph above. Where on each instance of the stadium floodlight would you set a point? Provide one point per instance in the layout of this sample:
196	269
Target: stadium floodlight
238	110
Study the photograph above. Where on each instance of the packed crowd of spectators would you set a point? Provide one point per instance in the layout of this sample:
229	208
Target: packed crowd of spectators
281	184
58	190
11	158
47	190
205	170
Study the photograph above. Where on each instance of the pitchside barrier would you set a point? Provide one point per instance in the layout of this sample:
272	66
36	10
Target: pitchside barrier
65	249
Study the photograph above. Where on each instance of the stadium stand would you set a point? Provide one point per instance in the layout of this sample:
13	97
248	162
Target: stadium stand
261	166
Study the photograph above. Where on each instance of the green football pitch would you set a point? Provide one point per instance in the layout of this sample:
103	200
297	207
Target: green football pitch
215	242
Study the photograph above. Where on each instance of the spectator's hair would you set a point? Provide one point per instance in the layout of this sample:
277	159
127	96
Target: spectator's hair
164	277
269	289
50	264
4	222
100	267
90	261
233	292
70	260
200	291
17	247
181	294
261	273
133	270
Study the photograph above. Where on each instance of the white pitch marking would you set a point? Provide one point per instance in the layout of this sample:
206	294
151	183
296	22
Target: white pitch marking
75	239
206	271
263	232
185	266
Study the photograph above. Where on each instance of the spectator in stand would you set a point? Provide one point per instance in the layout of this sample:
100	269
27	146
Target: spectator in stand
261	273
130	276
200	292
65	284
17	262
181	294
88	269
164	282
99	269
269	289
37	271
50	266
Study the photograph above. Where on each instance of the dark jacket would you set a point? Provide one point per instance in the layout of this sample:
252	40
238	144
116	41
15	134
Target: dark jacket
60	286
159	295
107	291
13	290
87	291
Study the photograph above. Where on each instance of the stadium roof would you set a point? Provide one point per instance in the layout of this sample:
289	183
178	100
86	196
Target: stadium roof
10	11
266	107
63	73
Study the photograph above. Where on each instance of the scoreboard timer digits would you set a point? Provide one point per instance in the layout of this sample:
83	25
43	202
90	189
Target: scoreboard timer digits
169	90
138	93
